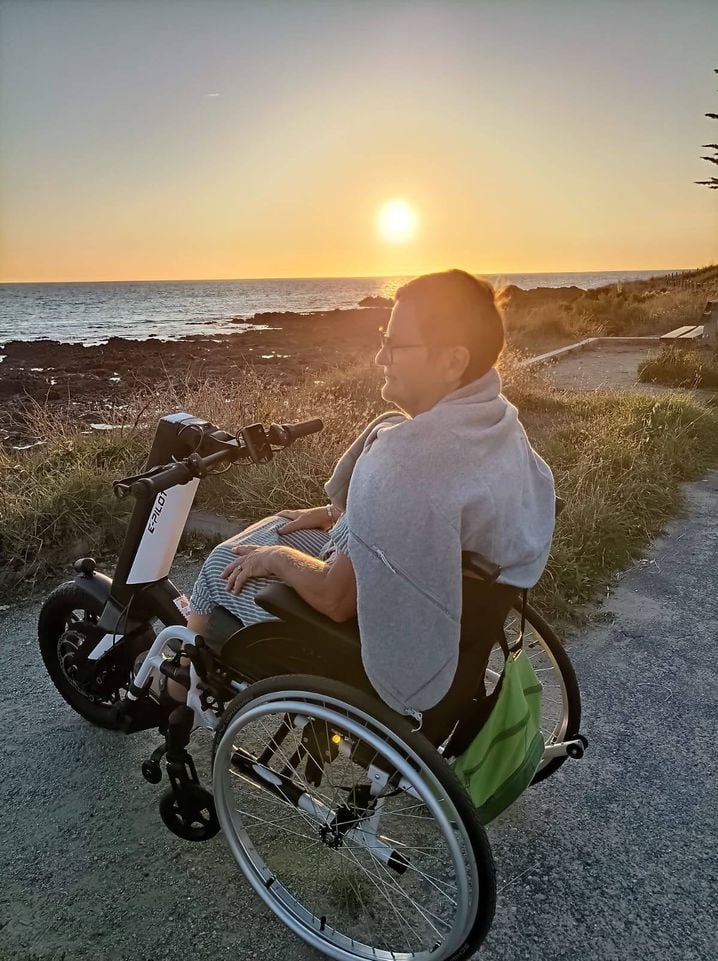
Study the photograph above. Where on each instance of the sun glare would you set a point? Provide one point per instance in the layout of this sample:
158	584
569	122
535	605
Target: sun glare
397	221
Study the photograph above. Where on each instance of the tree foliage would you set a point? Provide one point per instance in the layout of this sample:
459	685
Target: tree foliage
712	183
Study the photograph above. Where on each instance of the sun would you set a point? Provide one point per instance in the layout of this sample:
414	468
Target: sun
397	221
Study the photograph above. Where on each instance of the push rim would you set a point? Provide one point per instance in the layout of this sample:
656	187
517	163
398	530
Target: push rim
345	900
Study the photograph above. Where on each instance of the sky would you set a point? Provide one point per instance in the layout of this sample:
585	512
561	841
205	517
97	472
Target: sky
165	139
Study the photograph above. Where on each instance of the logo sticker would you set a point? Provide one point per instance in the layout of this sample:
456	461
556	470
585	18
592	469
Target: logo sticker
156	511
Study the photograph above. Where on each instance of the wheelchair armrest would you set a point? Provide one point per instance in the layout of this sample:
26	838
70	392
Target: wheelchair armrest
284	602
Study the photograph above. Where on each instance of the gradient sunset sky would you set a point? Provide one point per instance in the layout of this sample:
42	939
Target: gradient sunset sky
210	139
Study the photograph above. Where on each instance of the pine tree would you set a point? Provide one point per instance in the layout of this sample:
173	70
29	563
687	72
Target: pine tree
712	184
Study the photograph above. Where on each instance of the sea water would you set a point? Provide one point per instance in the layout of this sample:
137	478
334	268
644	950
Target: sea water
90	313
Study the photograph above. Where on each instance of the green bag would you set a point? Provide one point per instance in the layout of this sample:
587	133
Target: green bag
499	764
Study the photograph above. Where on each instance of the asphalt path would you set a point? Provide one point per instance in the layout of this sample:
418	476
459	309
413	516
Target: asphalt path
615	857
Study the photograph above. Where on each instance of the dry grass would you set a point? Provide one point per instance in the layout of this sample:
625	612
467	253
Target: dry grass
635	310
618	460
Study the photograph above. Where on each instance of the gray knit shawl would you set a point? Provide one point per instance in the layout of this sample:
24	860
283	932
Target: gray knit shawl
417	491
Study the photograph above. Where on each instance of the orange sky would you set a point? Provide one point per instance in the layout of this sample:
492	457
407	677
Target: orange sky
214	140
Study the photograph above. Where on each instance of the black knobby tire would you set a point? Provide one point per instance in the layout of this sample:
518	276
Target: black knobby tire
428	754
54	615
573	696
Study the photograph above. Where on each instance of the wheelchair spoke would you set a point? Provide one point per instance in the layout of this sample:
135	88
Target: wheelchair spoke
305	787
424	912
434	882
275	824
381	886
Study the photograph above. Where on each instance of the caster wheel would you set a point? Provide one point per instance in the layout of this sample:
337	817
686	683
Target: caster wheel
152	772
193	816
575	751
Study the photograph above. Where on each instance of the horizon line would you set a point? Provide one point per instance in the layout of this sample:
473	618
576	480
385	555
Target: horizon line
496	273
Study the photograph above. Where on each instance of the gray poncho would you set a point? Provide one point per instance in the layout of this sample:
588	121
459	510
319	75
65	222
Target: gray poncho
417	491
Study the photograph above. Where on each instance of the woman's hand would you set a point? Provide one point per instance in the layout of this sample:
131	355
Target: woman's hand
306	519
252	561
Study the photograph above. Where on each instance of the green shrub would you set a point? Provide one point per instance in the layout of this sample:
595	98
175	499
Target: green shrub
681	367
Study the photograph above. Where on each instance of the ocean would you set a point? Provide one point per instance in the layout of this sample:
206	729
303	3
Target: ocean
90	313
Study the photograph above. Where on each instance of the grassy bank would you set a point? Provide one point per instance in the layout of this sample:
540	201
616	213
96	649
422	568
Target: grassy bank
617	459
631	310
681	367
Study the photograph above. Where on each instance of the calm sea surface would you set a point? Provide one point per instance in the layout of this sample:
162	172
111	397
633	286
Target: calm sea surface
90	313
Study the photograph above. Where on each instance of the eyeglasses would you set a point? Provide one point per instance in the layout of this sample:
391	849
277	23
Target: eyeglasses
389	347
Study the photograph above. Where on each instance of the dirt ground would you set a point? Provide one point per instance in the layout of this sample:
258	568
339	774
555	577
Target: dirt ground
607	366
602	367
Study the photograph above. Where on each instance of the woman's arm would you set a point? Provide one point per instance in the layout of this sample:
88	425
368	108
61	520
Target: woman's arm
329	586
309	518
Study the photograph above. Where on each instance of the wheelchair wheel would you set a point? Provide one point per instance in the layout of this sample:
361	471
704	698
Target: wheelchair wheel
349	825
560	699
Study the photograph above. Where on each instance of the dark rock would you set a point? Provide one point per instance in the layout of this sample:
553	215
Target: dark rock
517	297
376	302
297	342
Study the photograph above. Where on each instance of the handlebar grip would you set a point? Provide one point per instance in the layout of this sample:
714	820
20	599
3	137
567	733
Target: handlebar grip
150	486
302	429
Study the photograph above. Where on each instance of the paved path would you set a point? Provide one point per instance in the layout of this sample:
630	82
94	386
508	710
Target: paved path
607	366
610	860
601	367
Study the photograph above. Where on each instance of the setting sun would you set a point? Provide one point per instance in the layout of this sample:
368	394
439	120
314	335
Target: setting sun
397	221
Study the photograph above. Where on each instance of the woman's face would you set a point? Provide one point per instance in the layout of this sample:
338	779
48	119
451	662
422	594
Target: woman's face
416	375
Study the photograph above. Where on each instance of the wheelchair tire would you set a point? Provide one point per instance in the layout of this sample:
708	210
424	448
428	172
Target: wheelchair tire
337	839
542	636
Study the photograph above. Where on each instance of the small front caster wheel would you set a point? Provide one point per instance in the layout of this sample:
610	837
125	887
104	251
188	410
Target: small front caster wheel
192	816
152	772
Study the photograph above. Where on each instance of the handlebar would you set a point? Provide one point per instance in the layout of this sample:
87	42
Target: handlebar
251	443
179	473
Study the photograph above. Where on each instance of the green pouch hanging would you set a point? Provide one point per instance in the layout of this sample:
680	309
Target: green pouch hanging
500	762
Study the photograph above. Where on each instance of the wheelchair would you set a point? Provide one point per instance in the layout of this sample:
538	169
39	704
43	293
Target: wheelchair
345	817
379	828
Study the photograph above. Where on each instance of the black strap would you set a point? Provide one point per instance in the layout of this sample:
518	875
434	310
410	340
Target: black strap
520	640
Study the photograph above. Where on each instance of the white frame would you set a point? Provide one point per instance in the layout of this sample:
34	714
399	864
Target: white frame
202	719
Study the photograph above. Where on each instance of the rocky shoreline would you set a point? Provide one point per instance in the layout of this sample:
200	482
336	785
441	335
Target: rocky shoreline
92	384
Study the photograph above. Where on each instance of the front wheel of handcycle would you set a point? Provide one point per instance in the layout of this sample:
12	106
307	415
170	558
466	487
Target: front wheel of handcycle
67	629
349	824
